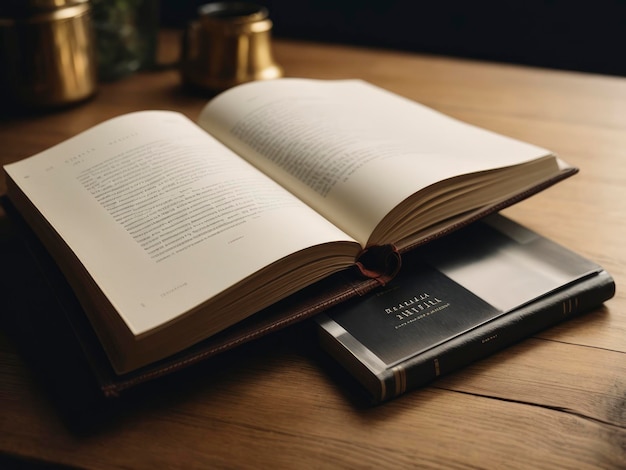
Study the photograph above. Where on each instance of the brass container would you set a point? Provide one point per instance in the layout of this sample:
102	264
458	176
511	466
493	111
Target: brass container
228	44
47	55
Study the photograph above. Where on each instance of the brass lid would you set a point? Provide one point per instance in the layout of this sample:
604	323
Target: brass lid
52	4
232	12
25	8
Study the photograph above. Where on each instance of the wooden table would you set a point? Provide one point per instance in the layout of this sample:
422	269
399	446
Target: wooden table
555	400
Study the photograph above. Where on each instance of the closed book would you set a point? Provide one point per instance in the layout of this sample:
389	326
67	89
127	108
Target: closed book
459	299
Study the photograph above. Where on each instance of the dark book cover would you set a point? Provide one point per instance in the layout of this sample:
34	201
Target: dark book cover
44	319
41	315
456	300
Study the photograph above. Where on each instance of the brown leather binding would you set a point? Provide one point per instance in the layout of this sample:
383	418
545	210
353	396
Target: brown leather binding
305	304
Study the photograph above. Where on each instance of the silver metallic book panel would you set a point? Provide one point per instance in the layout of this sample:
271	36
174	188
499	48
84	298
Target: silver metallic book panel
457	299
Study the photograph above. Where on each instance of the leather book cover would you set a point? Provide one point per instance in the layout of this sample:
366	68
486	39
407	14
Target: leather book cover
458	299
31	274
44	319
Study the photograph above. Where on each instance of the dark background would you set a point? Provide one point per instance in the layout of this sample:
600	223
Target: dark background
575	35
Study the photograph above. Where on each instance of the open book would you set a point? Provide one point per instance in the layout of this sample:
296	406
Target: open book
170	231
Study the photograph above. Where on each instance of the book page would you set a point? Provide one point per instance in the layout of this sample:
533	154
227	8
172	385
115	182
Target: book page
351	150
163	215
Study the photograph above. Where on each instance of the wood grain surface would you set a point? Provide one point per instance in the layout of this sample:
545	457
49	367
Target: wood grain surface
557	400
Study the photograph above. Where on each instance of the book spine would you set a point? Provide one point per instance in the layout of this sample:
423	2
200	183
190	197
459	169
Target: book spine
495	335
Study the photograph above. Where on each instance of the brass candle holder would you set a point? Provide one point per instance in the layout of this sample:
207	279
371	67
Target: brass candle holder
228	44
47	53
